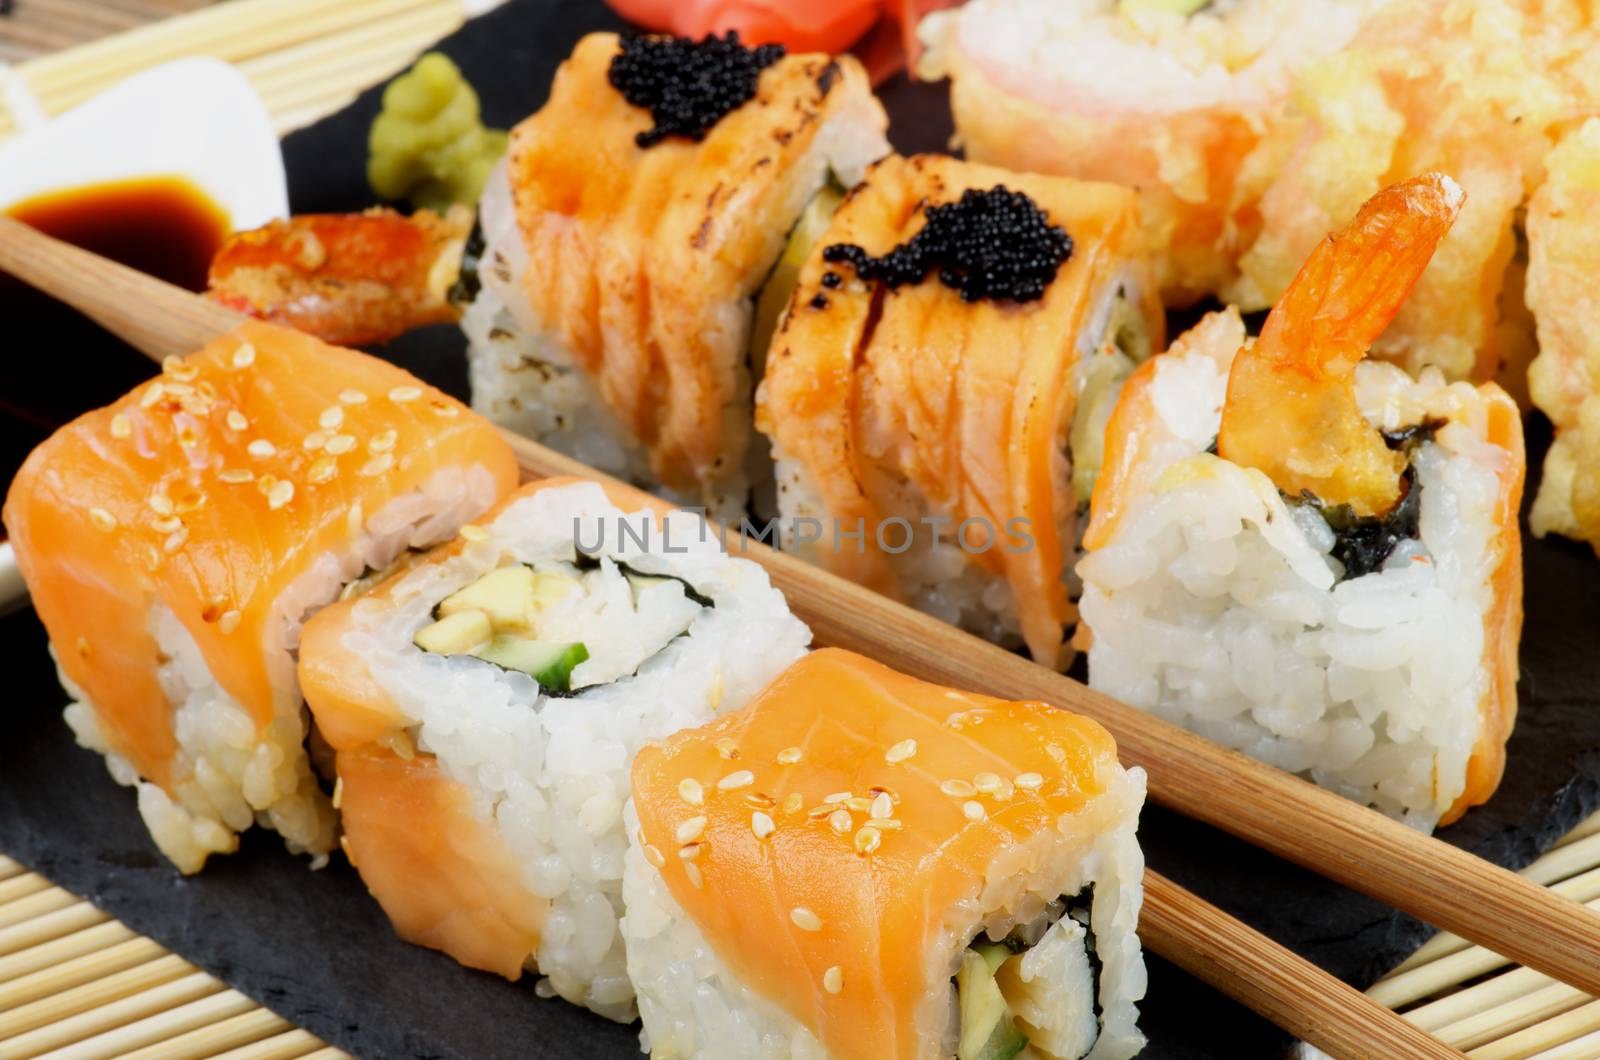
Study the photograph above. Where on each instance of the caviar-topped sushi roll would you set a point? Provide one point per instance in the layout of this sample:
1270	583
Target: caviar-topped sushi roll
636	224
863	865
936	394
175	541
486	705
1315	558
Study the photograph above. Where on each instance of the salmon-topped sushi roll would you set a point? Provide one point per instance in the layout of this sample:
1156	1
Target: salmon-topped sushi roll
1314	558
175	542
636	223
861	864
937	391
486	705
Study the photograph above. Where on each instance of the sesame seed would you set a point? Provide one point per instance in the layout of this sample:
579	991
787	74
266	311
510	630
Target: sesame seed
959	789
352	397
859	804
833	979
742	778
448	411
883	806
840	821
338	791
879	789
988	783
691	870
160	503
692	829
261	449
762	824
1007	789
237	421
888	824
974	810
235	475
377	466
103	520
120	427
152	394
402	394
186	436
166	524
314	441
900	751
331	418
1029	781
653	856
727	748
281	493
838	796
805	919
689	851
214	609
340	444
760	800
382	443
473	532
244	356
818	812
792	802
867	840
322	470
789	756
175	540
690	791
172	363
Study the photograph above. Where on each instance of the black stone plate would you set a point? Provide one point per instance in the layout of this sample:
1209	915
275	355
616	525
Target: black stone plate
315	948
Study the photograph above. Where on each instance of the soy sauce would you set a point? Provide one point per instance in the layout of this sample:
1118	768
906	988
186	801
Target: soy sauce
56	364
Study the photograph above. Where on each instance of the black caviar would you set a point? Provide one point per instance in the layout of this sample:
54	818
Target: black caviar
686	85
995	243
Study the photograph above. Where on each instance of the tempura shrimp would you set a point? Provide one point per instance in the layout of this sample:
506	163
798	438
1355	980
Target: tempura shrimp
1291	409
346	278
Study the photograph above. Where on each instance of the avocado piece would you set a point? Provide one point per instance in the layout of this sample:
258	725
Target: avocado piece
1102	385
987	1030
994	954
455	634
510	596
775	293
548	662
1171	7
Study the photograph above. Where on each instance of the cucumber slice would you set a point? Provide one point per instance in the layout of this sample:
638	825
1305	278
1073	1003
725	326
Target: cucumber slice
994	954
510	596
987	1030
548	662
456	634
775	293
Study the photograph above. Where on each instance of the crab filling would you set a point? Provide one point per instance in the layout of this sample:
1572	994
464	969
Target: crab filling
1035	987
569	626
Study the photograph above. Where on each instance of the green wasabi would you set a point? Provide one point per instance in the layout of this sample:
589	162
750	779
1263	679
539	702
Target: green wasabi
429	144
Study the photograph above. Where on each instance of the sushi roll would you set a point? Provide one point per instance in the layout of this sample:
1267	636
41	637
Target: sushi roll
1407	96
486	705
937	392
175	542
1563	218
1313	558
634	229
861	864
1169	97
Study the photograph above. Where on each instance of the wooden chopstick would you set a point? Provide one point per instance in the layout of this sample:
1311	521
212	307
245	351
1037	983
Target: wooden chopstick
1188	773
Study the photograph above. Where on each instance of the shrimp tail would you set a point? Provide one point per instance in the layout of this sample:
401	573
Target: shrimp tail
1291	409
1356	279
